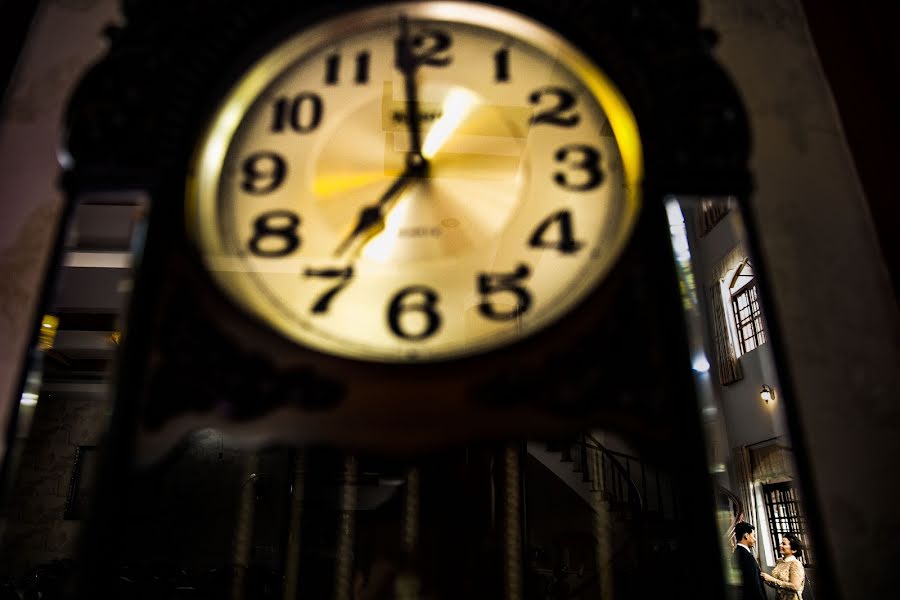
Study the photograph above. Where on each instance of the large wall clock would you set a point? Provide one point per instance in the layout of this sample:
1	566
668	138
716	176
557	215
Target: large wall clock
405	224
416	182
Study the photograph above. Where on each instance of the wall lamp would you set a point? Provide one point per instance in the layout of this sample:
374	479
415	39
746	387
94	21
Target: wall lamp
766	393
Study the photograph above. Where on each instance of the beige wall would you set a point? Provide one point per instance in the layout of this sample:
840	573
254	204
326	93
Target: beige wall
63	41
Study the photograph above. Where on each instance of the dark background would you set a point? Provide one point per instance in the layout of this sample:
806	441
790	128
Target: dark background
860	53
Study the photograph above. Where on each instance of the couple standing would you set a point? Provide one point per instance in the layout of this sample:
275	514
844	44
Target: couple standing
787	577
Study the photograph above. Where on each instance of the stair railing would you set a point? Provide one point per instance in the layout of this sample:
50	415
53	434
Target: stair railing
736	509
622	488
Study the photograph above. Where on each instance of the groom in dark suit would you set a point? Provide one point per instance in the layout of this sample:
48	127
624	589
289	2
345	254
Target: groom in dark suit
751	581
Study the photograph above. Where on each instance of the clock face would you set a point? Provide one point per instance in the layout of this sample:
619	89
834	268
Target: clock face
416	182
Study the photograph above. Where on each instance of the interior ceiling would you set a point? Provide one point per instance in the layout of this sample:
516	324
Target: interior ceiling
92	286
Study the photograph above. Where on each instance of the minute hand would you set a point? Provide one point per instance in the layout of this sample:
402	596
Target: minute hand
409	64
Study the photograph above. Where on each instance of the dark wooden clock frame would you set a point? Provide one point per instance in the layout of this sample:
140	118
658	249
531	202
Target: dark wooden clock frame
619	359
133	123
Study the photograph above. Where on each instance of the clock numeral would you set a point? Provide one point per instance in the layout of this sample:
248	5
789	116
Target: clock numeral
263	172
418	300
333	68
342	275
275	234
565	242
302	113
559	112
584	159
427	48
496	283
501	65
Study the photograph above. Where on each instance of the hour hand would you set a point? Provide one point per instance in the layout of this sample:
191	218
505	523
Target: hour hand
372	216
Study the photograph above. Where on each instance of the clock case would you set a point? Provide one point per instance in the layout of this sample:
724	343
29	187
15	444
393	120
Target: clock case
192	358
616	359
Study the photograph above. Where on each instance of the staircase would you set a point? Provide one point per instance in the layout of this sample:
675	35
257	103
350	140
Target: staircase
633	503
641	503
628	485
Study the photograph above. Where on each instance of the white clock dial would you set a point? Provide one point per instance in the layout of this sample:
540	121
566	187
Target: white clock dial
416	182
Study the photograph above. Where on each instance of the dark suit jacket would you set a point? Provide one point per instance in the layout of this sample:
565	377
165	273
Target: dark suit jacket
751	582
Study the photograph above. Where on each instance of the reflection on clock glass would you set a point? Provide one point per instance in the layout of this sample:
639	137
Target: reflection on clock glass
416	182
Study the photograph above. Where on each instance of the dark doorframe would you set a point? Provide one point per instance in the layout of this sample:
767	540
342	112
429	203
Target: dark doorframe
15	23
859	48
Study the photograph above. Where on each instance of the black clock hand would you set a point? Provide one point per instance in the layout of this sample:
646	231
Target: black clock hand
416	165
408	64
371	215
